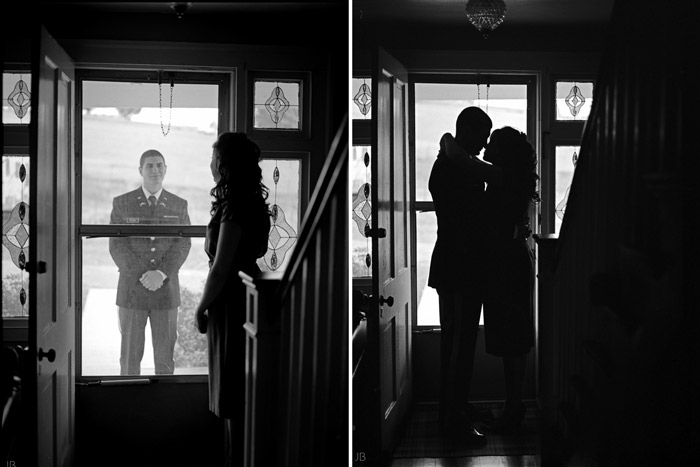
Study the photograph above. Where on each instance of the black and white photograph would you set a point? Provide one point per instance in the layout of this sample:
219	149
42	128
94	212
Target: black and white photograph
362	233
174	267
523	265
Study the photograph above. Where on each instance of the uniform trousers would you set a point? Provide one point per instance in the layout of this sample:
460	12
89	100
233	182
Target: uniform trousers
459	325
132	325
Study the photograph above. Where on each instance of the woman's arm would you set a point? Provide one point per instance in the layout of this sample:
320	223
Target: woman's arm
229	239
483	170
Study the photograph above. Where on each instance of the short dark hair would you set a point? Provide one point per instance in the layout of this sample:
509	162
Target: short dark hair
472	117
150	153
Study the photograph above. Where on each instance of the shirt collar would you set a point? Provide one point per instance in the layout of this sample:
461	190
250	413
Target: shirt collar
147	194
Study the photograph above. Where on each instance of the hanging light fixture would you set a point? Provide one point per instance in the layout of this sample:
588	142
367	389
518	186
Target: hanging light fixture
486	15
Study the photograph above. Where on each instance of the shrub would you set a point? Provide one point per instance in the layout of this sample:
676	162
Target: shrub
11	286
191	347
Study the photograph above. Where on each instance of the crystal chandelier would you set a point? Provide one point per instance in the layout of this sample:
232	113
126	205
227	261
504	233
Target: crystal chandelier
486	15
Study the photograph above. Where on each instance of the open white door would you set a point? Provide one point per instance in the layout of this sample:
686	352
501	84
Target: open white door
389	321
52	254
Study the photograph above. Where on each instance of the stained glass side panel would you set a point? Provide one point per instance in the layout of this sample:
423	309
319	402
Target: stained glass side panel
15	235
283	178
361	215
277	105
362	98
565	163
573	100
16	99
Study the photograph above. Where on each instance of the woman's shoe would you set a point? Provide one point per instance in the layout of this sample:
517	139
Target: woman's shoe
510	421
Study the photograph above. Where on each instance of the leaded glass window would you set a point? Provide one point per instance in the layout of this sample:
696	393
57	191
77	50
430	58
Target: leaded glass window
283	178
15	235
361	189
277	105
566	158
16	99
573	100
362	98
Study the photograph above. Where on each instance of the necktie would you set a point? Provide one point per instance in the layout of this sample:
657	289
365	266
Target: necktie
152	201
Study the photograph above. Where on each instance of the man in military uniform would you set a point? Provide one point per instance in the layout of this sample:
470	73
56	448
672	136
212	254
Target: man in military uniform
149	287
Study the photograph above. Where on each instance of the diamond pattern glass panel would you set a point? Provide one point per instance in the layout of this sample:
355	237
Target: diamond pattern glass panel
573	100
360	179
16	99
277	105
15	235
362	98
283	178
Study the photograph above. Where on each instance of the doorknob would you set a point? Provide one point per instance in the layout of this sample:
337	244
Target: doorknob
378	232
40	267
389	300
50	355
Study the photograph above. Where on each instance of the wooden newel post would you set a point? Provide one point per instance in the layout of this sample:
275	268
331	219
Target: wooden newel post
262	365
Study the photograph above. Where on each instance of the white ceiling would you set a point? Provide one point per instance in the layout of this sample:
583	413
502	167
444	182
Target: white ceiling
519	12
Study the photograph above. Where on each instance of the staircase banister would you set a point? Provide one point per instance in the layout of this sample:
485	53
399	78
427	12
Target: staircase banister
332	173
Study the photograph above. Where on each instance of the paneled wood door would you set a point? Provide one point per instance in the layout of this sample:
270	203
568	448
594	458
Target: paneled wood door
389	321
52	253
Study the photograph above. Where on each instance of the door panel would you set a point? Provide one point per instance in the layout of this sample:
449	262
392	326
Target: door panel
52	262
389	323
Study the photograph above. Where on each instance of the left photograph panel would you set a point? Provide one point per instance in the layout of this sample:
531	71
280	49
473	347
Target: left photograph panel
175	262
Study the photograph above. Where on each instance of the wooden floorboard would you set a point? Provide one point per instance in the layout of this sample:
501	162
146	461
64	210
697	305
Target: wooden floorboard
478	461
521	451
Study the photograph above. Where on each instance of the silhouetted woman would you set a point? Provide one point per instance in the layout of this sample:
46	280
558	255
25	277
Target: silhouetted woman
511	176
236	236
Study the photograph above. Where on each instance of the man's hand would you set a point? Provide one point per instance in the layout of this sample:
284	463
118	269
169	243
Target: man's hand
443	142
152	280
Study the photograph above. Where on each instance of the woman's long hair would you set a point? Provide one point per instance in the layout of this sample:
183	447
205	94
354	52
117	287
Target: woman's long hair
518	160
241	176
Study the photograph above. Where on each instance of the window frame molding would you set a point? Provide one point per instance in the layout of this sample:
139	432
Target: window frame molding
558	133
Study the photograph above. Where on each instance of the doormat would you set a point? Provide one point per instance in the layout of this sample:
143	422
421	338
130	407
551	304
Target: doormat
422	438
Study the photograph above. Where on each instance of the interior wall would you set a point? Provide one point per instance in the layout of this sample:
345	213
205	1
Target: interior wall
158	424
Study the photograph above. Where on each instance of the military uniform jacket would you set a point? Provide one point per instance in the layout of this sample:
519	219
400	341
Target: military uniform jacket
459	253
136	255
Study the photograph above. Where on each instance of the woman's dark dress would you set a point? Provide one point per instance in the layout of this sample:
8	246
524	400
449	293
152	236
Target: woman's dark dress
226	316
509	304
